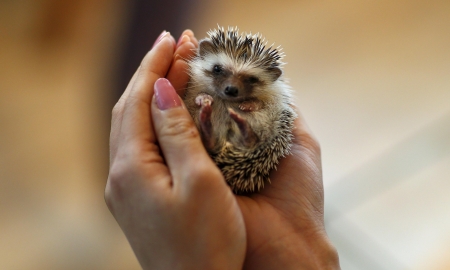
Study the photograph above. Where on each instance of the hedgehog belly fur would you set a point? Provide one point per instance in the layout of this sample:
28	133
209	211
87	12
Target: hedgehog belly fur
246	172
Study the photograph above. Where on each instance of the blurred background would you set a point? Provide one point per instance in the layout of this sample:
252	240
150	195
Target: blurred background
371	77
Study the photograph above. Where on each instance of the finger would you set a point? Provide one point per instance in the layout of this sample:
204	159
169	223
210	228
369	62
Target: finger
117	114
136	125
191	36
178	136
179	71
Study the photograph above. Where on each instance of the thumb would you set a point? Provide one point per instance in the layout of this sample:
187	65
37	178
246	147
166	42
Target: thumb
178	137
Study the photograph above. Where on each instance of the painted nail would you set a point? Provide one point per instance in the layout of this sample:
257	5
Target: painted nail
165	94
160	37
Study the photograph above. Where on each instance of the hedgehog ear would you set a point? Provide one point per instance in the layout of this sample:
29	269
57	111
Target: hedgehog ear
205	47
274	73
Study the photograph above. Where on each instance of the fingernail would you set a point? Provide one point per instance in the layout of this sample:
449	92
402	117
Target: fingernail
165	94
183	39
177	56
160	37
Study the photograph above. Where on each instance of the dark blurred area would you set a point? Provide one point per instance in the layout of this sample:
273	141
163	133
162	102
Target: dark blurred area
147	20
63	65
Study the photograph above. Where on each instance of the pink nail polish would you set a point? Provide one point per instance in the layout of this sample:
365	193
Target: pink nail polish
165	94
160	37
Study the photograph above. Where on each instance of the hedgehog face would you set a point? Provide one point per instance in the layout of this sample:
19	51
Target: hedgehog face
230	77
231	81
235	67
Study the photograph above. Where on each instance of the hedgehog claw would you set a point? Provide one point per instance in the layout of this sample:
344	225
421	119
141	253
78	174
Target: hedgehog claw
248	134
250	106
203	99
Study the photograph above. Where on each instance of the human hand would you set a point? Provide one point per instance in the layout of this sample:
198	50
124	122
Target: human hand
285	221
167	195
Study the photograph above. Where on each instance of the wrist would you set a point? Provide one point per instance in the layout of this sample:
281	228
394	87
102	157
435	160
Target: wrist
295	252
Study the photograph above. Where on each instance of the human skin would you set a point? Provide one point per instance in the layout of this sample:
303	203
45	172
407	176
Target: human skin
172	202
285	221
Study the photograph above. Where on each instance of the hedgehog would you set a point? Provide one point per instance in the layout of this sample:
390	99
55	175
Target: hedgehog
241	105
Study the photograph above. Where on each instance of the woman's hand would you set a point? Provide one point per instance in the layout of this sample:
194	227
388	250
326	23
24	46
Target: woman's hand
172	202
165	192
285	221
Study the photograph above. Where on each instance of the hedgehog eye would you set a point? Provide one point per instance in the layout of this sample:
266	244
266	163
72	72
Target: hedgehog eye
253	79
217	69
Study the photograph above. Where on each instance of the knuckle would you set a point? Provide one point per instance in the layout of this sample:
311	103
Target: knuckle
128	171
108	197
205	178
180	128
117	182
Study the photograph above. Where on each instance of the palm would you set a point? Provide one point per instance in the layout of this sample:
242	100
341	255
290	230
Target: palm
292	203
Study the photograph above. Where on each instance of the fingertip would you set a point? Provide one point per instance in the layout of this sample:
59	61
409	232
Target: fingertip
158	39
192	38
174	43
164	36
165	94
183	39
185	51
189	32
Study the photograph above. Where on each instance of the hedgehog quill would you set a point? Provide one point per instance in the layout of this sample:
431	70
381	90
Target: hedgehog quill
241	105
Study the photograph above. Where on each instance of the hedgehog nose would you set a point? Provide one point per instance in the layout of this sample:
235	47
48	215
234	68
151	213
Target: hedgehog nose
231	91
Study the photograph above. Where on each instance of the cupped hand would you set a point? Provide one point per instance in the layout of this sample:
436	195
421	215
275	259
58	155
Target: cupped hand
285	221
167	195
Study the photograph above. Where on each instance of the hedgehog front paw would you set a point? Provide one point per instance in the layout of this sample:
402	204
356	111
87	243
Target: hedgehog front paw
250	106
203	99
205	123
249	138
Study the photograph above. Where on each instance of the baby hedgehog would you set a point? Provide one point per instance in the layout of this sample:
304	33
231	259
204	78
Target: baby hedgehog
241	106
